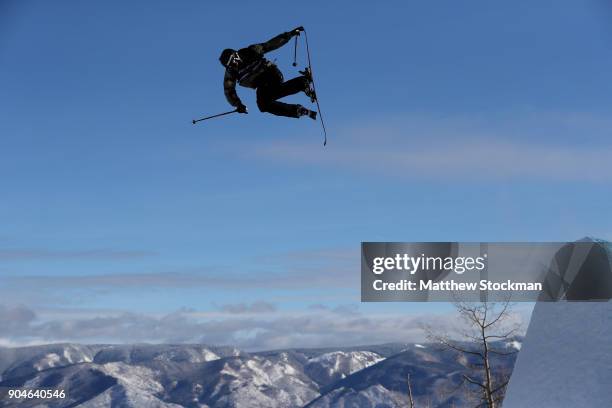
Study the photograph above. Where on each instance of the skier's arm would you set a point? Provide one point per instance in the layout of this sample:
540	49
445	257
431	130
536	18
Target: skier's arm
229	87
276	42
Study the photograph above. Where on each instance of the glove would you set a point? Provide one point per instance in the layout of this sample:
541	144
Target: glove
297	30
241	109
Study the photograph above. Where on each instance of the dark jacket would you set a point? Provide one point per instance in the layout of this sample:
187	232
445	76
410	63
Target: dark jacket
255	69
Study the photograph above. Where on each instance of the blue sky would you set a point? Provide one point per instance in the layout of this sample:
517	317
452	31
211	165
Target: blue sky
447	122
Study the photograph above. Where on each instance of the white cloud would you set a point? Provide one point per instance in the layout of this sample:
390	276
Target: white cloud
245	308
318	327
295	270
28	254
555	147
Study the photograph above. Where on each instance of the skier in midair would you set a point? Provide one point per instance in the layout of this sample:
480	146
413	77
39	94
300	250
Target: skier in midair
248	67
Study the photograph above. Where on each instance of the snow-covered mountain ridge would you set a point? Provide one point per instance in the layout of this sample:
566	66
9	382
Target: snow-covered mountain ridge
200	376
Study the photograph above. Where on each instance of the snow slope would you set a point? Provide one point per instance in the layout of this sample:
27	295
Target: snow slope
330	367
566	358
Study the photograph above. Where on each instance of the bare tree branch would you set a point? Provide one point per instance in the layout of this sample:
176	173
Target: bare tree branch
486	321
471	381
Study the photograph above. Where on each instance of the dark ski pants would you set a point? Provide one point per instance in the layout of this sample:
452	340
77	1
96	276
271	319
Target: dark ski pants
269	93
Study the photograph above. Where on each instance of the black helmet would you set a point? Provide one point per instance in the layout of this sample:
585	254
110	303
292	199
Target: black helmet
225	56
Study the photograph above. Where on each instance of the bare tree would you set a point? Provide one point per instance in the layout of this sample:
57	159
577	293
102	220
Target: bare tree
487	327
410	399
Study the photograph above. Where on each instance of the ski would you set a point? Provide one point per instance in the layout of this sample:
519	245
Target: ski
314	89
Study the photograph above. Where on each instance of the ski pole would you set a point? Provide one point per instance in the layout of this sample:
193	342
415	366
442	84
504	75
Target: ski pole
213	116
295	44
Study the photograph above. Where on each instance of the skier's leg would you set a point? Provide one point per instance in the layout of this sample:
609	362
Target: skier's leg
291	87
282	109
267	103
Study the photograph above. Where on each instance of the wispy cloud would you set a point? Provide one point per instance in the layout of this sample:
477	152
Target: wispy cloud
324	279
555	147
315	328
245	308
16	319
26	254
307	269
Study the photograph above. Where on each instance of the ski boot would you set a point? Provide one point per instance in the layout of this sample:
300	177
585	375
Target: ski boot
309	91
302	111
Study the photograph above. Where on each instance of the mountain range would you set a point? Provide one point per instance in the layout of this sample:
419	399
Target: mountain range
144	375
